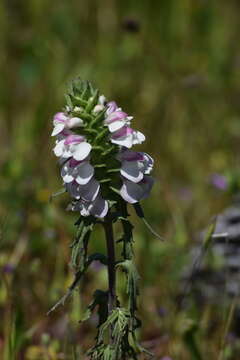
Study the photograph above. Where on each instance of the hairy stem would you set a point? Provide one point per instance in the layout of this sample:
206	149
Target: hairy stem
108	227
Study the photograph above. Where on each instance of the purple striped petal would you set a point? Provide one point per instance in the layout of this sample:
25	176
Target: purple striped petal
74	139
115	116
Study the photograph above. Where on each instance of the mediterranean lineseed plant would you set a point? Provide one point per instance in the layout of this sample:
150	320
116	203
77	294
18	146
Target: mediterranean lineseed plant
102	175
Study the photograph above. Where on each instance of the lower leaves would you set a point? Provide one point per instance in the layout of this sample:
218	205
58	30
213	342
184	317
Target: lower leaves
123	345
117	327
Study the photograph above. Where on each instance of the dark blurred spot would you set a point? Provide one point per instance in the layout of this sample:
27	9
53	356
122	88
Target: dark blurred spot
131	25
231	337
193	81
162	311
236	323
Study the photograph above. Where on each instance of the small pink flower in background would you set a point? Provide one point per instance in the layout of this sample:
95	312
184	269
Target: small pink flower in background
219	181
185	193
8	268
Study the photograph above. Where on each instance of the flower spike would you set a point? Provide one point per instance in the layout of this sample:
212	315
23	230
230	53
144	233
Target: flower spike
91	133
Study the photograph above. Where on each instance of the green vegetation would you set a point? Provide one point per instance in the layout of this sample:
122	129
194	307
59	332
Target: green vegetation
175	66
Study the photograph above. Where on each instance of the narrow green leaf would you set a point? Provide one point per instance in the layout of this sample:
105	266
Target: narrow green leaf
60	192
92	101
99	118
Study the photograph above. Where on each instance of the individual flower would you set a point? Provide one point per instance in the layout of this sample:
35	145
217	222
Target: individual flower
61	121
97	208
87	192
72	146
134	192
118	124
79	171
135	165
117	119
127	137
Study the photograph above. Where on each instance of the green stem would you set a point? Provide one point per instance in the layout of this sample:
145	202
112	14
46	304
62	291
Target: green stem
108	227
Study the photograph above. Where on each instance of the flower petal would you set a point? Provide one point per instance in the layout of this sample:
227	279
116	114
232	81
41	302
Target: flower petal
59	117
147	184
130	155
73	189
131	192
57	129
123	137
73	139
138	137
59	148
89	191
127	142
116	125
147	164
84	211
83	173
66	173
81	206
68	178
111	107
82	150
74	122
115	116
101	99
130	170
98	108
99	208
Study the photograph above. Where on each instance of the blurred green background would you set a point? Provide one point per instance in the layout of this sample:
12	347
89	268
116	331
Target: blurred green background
175	66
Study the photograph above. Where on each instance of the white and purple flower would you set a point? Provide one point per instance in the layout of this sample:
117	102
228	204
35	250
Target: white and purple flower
74	152
97	208
134	192
134	165
118	124
74	146
127	137
61	121
117	119
79	171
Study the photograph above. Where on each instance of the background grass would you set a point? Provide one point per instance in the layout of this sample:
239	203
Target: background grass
175	66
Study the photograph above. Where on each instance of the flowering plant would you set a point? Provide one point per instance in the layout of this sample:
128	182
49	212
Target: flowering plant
102	175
